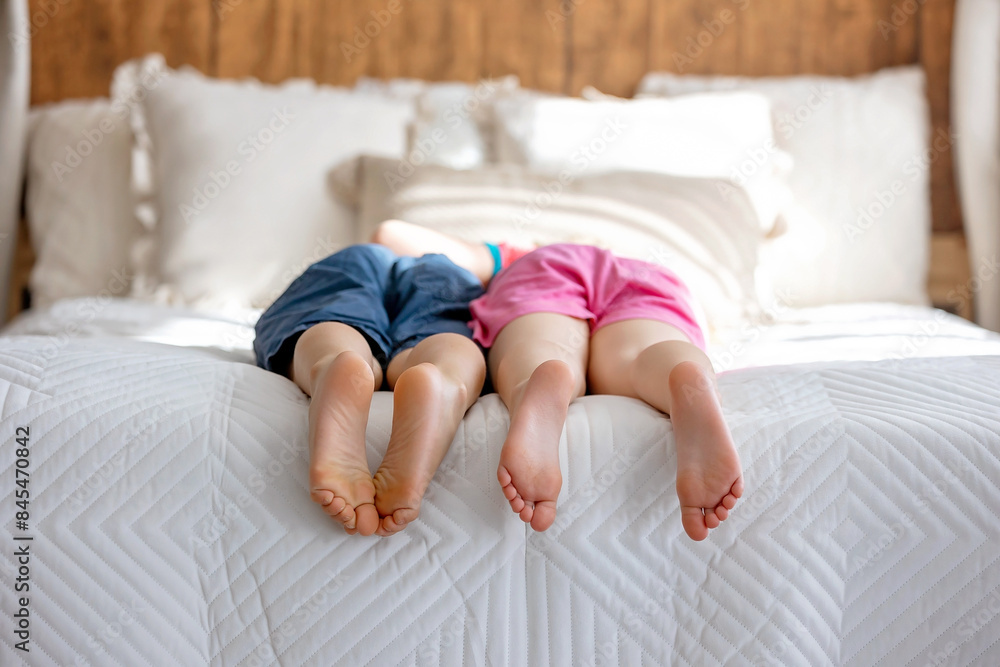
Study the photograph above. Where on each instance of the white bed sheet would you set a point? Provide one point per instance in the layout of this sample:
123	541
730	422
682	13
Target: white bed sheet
869	331
173	525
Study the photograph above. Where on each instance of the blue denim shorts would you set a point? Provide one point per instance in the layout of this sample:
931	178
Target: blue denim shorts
394	302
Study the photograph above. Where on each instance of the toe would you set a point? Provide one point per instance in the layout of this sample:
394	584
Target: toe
405	515
336	506
544	515
348	518
526	512
737	489
366	519
322	496
390	526
721	512
509	492
711	520
517	503
693	519
503	476
729	502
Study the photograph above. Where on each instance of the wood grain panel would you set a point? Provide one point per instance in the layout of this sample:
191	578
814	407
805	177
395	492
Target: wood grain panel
682	38
609	46
950	275
23	259
528	38
429	36
936	18
851	33
78	45
767	45
283	32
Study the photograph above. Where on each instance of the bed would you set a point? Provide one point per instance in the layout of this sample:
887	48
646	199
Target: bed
172	522
169	518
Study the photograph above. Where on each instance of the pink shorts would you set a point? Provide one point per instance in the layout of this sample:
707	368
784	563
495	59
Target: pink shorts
587	283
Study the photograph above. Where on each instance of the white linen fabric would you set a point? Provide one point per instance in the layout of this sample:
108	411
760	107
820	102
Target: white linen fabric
170	486
79	204
233	179
453	123
711	242
15	60
975	104
722	136
859	222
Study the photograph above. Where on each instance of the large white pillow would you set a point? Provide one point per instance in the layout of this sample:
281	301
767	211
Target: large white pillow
720	136
678	222
859	225
79	205
453	120
235	193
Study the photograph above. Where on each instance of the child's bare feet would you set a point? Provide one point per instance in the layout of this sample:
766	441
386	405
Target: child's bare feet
529	472
339	478
427	410
709	475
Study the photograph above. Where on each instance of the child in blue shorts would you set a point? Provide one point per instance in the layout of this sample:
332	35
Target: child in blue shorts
353	322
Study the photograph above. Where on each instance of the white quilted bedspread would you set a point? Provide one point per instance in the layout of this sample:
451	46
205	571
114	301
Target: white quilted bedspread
172	525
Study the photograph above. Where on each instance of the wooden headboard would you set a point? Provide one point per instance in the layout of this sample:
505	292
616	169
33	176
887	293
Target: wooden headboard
554	45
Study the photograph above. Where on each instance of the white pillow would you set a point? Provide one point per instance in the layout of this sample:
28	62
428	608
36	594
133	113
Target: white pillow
233	178
682	223
453	122
721	136
850	237
79	205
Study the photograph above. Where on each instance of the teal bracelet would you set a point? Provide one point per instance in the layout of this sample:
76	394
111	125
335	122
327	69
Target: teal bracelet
497	261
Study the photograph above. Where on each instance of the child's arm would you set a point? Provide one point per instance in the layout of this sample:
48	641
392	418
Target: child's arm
409	240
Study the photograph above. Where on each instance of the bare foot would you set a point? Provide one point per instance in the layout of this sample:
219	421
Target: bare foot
338	469
709	475
427	410
529	472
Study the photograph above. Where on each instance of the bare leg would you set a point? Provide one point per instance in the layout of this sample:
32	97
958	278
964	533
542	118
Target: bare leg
334	365
538	364
434	384
664	369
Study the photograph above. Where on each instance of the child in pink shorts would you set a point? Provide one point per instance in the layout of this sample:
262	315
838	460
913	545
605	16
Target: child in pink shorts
565	318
